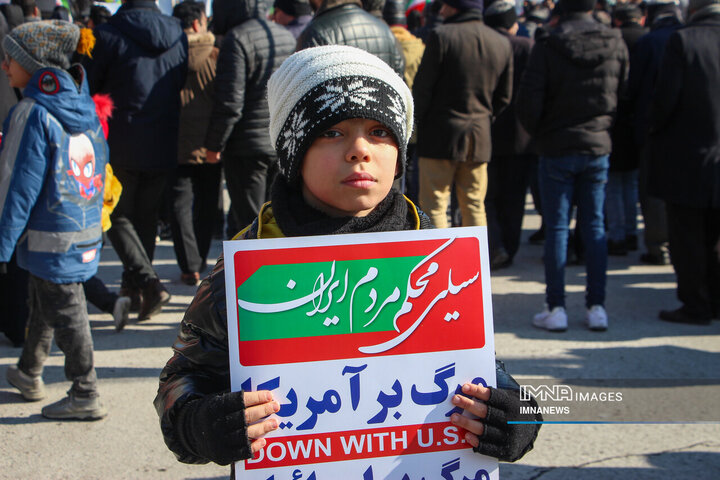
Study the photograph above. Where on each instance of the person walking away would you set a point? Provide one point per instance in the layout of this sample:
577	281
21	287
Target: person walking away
140	60
53	168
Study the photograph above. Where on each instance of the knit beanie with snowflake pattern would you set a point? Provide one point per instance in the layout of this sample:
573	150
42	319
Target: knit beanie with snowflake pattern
318	87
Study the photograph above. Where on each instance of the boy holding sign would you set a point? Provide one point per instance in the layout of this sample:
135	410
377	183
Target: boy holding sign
340	119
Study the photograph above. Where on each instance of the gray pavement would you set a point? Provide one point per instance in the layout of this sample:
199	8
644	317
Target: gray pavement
128	444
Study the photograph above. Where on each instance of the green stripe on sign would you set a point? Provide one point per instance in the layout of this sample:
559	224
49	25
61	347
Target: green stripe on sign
324	298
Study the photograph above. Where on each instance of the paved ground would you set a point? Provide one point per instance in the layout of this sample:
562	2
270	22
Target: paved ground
128	443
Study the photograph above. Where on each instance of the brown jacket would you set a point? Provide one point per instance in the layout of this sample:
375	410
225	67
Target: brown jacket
197	98
464	80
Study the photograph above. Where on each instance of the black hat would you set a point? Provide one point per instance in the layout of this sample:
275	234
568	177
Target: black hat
294	8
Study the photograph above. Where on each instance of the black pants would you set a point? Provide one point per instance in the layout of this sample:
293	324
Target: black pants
194	197
134	223
13	302
98	294
693	234
508	180
60	310
247	184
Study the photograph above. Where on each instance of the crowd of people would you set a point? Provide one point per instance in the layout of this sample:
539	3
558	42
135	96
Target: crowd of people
456	108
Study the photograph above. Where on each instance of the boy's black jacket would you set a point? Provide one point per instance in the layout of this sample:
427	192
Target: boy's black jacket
200	364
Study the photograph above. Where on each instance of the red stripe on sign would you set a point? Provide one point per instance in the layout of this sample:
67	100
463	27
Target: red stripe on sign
358	444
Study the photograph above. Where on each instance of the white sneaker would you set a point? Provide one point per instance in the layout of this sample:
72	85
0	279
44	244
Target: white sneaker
553	321
120	313
596	318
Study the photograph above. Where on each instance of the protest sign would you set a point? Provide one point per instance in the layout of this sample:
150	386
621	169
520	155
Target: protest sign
363	339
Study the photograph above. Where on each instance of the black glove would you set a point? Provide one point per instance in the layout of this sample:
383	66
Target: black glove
214	428
500	440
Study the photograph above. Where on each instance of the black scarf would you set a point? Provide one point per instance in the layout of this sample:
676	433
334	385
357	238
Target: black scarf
296	218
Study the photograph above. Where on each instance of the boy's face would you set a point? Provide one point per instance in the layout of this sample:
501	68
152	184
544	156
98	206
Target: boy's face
349	169
17	76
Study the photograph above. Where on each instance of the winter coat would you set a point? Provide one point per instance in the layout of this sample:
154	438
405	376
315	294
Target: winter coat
52	172
344	22
508	136
197	98
252	49
464	80
569	91
140	59
645	59
685	116
625	154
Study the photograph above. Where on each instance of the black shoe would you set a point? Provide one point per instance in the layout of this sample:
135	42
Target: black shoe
154	297
631	243
537	238
501	259
652	259
680	315
616	248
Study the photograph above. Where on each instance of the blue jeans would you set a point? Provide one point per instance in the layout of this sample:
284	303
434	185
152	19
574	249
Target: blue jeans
621	205
562	178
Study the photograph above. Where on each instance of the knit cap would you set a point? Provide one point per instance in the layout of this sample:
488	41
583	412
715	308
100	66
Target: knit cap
37	45
294	8
318	87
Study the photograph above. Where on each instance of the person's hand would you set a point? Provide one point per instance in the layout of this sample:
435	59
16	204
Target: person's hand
489	433
227	427
212	156
259	405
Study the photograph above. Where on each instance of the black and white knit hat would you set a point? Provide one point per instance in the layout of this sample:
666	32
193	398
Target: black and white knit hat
318	87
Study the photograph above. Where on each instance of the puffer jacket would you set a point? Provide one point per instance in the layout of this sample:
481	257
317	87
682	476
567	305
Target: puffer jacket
140	60
200	365
52	173
252	49
344	22
569	92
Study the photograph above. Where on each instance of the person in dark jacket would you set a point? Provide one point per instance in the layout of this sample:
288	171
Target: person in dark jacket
663	18
318	149
344	22
567	101
685	160
622	187
464	80
195	185
140	60
512	166
252	48
292	14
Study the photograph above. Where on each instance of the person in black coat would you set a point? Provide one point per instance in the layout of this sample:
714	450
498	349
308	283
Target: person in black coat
663	18
252	48
140	60
622	188
685	160
511	166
